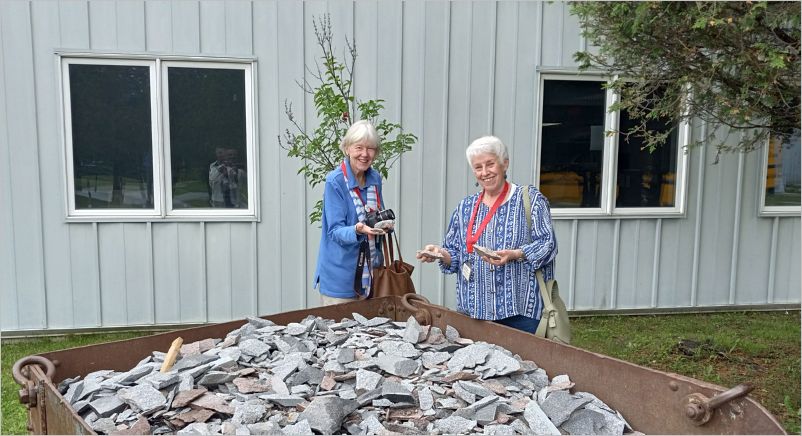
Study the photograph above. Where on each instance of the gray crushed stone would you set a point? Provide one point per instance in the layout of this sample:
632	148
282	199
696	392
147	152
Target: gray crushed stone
355	376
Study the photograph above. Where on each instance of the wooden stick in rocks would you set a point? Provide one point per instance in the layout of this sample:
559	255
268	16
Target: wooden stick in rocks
169	359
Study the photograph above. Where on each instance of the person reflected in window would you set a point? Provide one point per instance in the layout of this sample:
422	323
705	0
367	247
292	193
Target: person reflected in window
352	190
226	176
502	289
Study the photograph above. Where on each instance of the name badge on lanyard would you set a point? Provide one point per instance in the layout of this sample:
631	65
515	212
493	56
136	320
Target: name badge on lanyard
466	270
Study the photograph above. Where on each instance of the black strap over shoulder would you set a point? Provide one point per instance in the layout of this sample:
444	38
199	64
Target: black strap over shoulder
364	255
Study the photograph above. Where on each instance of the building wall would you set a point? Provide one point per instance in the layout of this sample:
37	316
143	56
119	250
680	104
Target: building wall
449	71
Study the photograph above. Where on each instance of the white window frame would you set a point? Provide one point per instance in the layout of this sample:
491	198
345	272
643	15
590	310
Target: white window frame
250	149
162	180
771	211
607	208
116	213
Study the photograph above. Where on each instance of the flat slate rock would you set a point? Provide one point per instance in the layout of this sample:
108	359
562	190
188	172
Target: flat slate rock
399	348
301	427
432	359
585	422
251	385
104	425
325	414
413	332
397	365
213	402
106	406
248	413
185	397
425	398
469	356
373	322
455	425
144	398
253	347
193	361
367	380
498	429
559	406
397	392
452	334
538	421
283	400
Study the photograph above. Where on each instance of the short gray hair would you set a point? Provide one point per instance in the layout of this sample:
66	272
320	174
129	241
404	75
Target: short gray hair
485	145
360	131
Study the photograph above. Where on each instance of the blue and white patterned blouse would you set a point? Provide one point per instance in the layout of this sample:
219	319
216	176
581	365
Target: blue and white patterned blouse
500	292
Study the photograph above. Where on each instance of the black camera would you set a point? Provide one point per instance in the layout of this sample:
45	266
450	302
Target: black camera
373	217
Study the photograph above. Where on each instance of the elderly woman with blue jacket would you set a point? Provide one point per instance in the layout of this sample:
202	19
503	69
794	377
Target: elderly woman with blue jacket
502	288
352	190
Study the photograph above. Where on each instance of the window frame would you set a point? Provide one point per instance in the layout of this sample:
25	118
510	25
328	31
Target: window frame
116	213
162	185
763	171
607	208
249	143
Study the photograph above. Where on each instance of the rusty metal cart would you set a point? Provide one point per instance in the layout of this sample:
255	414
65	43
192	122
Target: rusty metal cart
654	402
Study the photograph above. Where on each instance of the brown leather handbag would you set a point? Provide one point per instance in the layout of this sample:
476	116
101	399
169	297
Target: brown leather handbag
394	277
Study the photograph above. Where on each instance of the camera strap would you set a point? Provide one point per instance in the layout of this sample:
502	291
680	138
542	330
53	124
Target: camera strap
364	255
367	247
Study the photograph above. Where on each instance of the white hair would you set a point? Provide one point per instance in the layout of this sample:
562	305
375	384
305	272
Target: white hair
487	145
360	131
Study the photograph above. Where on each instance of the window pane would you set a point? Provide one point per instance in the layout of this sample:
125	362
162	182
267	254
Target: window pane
782	177
207	138
645	179
573	143
111	136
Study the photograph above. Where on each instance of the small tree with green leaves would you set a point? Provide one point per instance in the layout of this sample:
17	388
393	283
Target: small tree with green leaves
734	65
337	108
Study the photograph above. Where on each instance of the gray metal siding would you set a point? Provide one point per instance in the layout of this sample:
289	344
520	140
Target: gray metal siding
450	71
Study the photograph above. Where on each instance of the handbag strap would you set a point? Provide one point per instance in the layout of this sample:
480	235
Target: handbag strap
387	256
397	245
545	290
390	243
528	209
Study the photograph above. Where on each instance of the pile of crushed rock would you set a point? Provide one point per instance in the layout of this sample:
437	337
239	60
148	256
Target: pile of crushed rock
356	376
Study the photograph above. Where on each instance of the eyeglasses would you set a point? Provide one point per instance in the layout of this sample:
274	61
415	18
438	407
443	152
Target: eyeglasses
362	148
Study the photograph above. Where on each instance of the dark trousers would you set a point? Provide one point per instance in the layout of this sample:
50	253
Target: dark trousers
520	322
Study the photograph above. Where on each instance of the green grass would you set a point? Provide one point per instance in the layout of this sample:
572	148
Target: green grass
14	415
727	349
722	348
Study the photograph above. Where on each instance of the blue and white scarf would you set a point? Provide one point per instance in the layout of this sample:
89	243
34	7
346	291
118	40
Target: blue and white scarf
361	208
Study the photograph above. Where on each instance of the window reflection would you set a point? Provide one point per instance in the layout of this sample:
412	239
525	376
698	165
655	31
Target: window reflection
645	179
573	142
783	172
111	136
207	138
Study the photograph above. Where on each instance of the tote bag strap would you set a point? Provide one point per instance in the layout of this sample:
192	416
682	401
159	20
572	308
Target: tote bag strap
397	246
390	244
387	257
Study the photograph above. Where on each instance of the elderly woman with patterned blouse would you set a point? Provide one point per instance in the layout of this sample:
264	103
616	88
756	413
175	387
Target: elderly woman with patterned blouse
500	288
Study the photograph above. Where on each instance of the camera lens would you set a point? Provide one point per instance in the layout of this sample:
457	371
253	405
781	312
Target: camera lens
386	214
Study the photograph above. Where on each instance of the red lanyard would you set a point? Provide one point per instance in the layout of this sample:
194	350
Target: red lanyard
359	194
470	239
